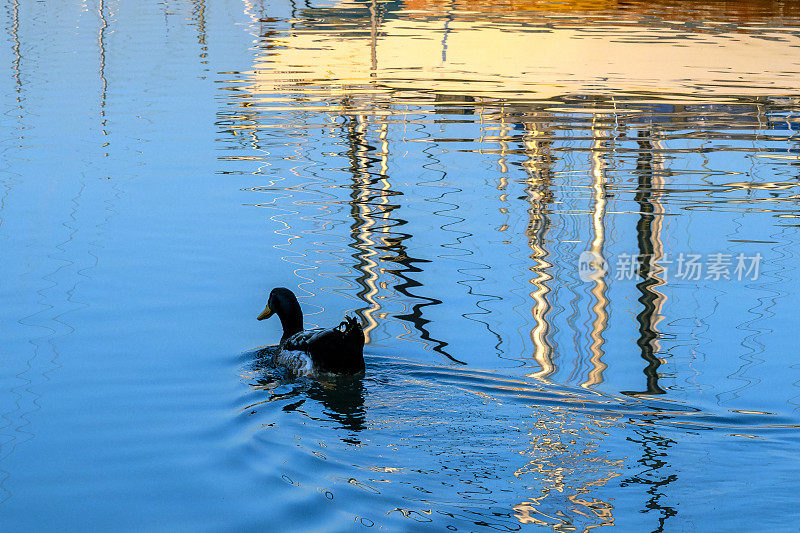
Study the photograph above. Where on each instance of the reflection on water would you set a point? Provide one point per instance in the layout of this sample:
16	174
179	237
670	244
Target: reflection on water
422	432
555	470
341	396
438	168
471	49
473	176
453	194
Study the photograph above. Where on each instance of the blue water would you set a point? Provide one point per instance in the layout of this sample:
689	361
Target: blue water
164	165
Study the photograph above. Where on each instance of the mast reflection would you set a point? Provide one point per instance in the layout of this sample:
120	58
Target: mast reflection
537	143
653	460
373	230
648	231
599	288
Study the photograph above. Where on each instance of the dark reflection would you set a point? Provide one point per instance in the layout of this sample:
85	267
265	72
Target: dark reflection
342	397
654	473
454	104
648	241
365	14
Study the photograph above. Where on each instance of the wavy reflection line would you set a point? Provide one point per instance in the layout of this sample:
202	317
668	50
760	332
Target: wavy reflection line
27	401
394	241
537	192
653	461
536	145
364	217
321	210
599	308
372	230
250	9
486	119
648	231
651	248
434	164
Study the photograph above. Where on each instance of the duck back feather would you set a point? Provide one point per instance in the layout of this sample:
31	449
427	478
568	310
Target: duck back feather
339	349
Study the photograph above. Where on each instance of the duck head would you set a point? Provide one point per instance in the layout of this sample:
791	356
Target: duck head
283	302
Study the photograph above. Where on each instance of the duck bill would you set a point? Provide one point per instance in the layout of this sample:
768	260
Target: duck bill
266	313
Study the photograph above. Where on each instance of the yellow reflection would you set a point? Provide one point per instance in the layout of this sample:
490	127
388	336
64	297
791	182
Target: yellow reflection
537	142
656	238
598	291
568	471
678	10
560	446
419	50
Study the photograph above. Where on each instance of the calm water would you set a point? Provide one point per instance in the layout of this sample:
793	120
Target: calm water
437	168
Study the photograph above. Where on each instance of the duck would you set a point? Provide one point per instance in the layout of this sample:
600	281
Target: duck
336	350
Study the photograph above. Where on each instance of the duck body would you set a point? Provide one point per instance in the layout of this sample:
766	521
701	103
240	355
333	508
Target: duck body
337	350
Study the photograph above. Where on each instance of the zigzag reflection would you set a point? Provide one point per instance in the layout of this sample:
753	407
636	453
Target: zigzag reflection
373	231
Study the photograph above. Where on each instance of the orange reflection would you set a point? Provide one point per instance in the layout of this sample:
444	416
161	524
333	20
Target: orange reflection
678	10
417	49
568	472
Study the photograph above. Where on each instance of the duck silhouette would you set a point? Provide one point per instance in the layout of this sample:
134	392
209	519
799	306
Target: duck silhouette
337	350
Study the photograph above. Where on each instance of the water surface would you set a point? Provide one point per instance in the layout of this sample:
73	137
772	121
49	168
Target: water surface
437	169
